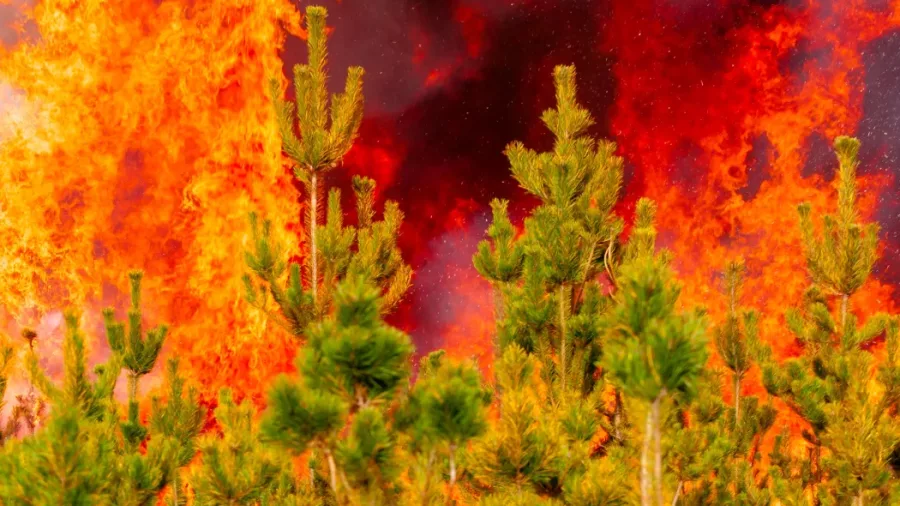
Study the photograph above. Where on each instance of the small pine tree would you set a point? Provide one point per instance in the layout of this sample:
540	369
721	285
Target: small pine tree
851	432
334	251
446	409
178	421
357	365
235	468
732	335
324	138
71	461
653	353
500	259
138	353
565	241
93	399
524	451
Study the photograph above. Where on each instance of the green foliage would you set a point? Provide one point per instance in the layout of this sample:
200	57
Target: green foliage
525	450
653	350
70	461
138	353
93	399
334	251
324	138
352	373
841	260
176	423
235	468
566	245
356	356
499	259
6	358
302	417
448	403
604	482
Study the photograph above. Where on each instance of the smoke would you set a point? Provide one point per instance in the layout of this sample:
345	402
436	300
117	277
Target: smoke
879	132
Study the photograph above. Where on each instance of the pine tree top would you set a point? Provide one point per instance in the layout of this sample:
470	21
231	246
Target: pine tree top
324	136
841	259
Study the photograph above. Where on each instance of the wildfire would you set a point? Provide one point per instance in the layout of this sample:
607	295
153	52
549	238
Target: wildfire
139	134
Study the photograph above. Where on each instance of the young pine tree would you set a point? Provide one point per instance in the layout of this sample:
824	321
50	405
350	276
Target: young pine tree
85	454
138	353
177	422
653	353
73	459
834	385
445	410
235	469
354	364
334	251
324	137
563	248
524	452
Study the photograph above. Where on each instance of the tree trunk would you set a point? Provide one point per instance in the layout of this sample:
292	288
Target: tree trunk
132	386
677	493
313	223
617	417
657	453
845	300
499	315
737	400
175	487
428	470
562	336
332	472
452	466
645	460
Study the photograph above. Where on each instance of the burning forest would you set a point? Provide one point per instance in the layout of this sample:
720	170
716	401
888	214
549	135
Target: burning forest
462	252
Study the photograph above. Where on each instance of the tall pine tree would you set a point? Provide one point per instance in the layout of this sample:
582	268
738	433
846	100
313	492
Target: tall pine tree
834	384
315	141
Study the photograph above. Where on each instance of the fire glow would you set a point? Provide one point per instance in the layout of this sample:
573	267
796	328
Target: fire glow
139	134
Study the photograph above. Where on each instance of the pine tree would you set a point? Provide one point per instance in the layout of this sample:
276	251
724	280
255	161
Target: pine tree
30	408
177	422
324	138
731	337
565	240
73	459
70	461
525	450
334	251
714	447
653	353
85	454
354	364
604	482
139	354
500	259
235	468
832	384
446	409
93	399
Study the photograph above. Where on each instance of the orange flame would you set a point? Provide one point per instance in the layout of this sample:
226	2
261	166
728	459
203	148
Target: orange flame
141	135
